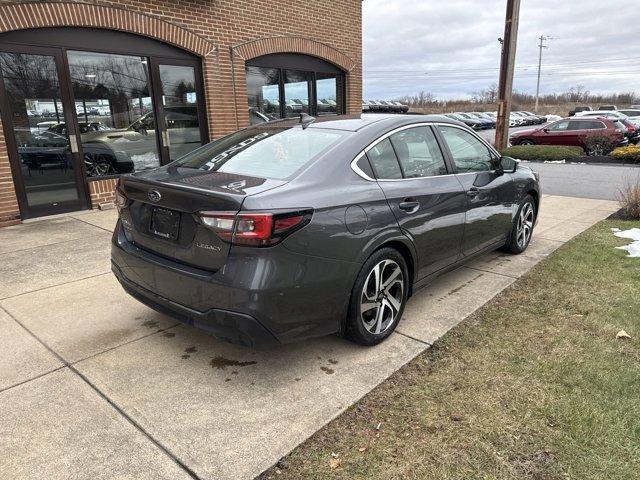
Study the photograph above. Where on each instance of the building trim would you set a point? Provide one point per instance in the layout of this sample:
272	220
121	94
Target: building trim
19	16
293	44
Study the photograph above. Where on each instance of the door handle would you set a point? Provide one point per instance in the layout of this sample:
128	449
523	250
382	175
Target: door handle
473	191
409	205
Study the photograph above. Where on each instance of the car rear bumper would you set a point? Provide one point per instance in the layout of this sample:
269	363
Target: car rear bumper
261	296
233	327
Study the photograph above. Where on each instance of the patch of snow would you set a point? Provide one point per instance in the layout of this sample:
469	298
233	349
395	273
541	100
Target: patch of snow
145	161
555	161
632	234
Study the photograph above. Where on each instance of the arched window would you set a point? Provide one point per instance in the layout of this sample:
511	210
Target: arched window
284	85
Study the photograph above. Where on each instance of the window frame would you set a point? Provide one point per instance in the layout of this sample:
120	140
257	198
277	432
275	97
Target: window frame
451	167
305	64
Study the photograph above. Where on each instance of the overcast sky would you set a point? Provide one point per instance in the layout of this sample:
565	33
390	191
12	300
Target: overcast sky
450	47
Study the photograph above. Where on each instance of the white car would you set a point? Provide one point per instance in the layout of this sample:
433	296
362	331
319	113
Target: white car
611	114
603	113
553	118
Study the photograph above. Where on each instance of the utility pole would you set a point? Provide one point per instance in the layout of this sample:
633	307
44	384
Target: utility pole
507	63
541	45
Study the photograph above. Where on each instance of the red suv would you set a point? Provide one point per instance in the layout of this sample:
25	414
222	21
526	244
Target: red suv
571	131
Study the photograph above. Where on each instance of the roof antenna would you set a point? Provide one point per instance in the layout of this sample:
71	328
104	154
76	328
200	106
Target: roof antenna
306	120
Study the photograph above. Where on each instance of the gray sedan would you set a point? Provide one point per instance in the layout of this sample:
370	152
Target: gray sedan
300	228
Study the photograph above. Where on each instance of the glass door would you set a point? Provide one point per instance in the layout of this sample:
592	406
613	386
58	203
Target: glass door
35	114
181	116
114	109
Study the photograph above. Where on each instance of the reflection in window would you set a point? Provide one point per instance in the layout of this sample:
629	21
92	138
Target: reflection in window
262	152
180	103
263	94
327	98
469	154
418	153
114	108
35	108
296	92
384	161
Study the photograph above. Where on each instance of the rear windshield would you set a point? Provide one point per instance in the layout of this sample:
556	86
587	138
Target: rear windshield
270	152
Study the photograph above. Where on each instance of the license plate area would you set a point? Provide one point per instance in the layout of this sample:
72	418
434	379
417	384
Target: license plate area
165	223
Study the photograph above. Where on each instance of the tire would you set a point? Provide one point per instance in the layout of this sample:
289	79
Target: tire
522	228
370	326
526	141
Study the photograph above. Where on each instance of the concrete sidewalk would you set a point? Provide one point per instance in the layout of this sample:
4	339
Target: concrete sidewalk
95	385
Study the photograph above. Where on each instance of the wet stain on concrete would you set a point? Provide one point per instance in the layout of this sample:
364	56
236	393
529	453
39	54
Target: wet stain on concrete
150	324
227	379
222	363
460	287
332	361
190	350
327	370
185	356
297	379
169	334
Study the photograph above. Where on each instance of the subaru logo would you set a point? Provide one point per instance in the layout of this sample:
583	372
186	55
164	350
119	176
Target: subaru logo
154	195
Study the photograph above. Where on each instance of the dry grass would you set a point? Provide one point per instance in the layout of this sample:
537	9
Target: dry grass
629	199
533	386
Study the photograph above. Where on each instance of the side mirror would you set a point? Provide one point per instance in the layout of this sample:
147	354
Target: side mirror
545	130
508	164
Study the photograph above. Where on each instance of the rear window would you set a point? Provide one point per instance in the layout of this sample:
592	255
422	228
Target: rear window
276	153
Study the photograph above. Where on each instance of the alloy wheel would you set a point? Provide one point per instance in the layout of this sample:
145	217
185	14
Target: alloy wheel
382	297
525	225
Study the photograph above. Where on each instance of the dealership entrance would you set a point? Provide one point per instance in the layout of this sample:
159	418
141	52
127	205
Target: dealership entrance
90	105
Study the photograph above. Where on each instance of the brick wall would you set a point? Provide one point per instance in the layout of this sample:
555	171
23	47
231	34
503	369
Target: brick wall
224	33
9	213
102	191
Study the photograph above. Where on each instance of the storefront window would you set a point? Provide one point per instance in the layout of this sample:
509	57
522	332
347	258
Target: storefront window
296	92
286	85
115	112
327	97
263	94
180	105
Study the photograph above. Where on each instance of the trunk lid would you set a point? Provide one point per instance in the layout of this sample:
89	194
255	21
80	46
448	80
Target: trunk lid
163	211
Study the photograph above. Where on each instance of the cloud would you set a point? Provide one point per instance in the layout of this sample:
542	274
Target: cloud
450	48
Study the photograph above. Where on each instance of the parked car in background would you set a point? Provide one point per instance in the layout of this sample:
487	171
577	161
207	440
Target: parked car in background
553	118
474	123
612	114
538	119
492	122
293	229
572	132
633	130
630	112
607	107
582	108
484	123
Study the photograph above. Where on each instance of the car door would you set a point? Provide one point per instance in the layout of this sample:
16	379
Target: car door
554	134
426	199
489	191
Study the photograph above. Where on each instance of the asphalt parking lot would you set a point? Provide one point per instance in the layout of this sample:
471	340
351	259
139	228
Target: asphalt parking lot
94	384
585	181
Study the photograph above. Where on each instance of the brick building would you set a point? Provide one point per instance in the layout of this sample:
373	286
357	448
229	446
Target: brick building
91	90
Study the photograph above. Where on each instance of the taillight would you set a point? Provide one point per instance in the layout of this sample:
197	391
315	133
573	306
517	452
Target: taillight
255	229
120	200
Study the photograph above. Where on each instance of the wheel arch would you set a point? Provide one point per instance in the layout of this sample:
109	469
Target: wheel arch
408	256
